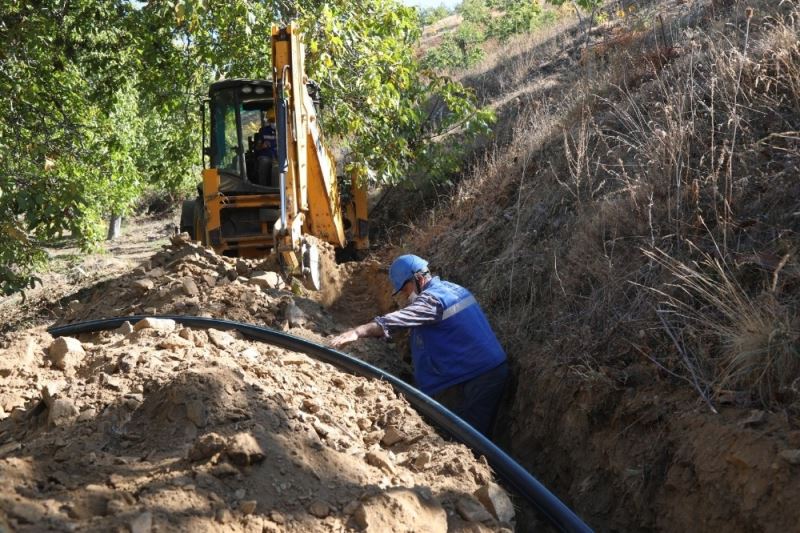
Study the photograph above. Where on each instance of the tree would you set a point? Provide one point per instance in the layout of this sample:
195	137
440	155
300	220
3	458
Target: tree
430	15
62	65
102	101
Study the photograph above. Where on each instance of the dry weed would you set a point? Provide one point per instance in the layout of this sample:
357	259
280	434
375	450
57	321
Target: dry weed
548	225
741	342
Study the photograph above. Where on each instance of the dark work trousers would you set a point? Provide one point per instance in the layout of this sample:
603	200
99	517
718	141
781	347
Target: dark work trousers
476	401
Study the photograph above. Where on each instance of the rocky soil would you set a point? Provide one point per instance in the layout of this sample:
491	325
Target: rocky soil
159	427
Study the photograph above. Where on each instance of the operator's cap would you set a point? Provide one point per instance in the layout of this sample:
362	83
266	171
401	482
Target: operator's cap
403	269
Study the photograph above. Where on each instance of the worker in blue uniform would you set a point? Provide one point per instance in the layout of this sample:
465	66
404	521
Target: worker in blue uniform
456	355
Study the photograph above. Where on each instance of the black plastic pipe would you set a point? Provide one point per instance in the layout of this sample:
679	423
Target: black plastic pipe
509	470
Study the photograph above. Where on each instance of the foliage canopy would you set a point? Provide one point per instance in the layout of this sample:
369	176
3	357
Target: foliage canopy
101	102
483	20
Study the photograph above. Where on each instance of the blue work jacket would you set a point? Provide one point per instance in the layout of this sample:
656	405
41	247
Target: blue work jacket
459	347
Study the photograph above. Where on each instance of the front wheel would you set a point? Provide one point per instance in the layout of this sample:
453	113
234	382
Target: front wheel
199	223
188	209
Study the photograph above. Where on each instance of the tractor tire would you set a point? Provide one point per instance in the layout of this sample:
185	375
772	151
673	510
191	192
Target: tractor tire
187	217
199	222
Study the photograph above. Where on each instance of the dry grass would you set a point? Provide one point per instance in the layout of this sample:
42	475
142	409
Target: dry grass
680	140
746	342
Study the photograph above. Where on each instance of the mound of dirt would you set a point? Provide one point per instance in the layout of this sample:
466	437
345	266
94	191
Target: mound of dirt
185	278
155	426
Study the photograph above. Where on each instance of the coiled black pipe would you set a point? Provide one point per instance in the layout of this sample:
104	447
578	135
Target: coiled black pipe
509	470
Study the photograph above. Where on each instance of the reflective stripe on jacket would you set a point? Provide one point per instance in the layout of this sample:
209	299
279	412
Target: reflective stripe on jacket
459	347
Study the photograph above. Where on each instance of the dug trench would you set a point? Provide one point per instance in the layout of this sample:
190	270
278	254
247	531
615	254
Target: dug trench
159	427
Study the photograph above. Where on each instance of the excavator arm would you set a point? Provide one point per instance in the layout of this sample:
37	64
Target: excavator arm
310	196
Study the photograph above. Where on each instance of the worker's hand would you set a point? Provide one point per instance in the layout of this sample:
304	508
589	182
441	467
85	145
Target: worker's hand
345	338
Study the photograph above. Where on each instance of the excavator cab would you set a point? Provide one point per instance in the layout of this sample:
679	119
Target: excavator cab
241	113
269	183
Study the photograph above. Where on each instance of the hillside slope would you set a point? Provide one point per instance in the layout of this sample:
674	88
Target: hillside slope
633	235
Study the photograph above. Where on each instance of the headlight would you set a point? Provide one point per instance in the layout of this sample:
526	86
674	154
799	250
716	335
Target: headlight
247	89
260	90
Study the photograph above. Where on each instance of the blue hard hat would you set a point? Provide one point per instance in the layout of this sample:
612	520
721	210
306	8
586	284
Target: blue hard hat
403	269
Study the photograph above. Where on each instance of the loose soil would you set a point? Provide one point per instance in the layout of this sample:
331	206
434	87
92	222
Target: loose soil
160	427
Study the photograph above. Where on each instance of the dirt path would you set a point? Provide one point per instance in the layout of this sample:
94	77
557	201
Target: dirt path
71	270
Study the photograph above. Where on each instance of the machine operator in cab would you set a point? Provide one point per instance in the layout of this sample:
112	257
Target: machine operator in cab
457	358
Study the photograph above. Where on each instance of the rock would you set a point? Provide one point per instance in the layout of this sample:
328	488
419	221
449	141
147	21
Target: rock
319	508
755	418
400	506
180	239
422	460
392	436
351	507
9	447
296	317
112	382
372	437
224	469
9	401
248	506
496	502
295	359
251	353
128	361
244	450
260	281
312	405
277	517
60	412
242	268
792	456
19	358
159	324
223	516
157	272
125	329
175	343
117	506
206	446
28	512
87	415
51	389
266	280
74	306
471	510
190	287
66	353
210	280
94	502
142	523
220	339
196	412
380	460
143	285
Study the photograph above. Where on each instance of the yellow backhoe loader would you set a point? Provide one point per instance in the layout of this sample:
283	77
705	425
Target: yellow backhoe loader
270	185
